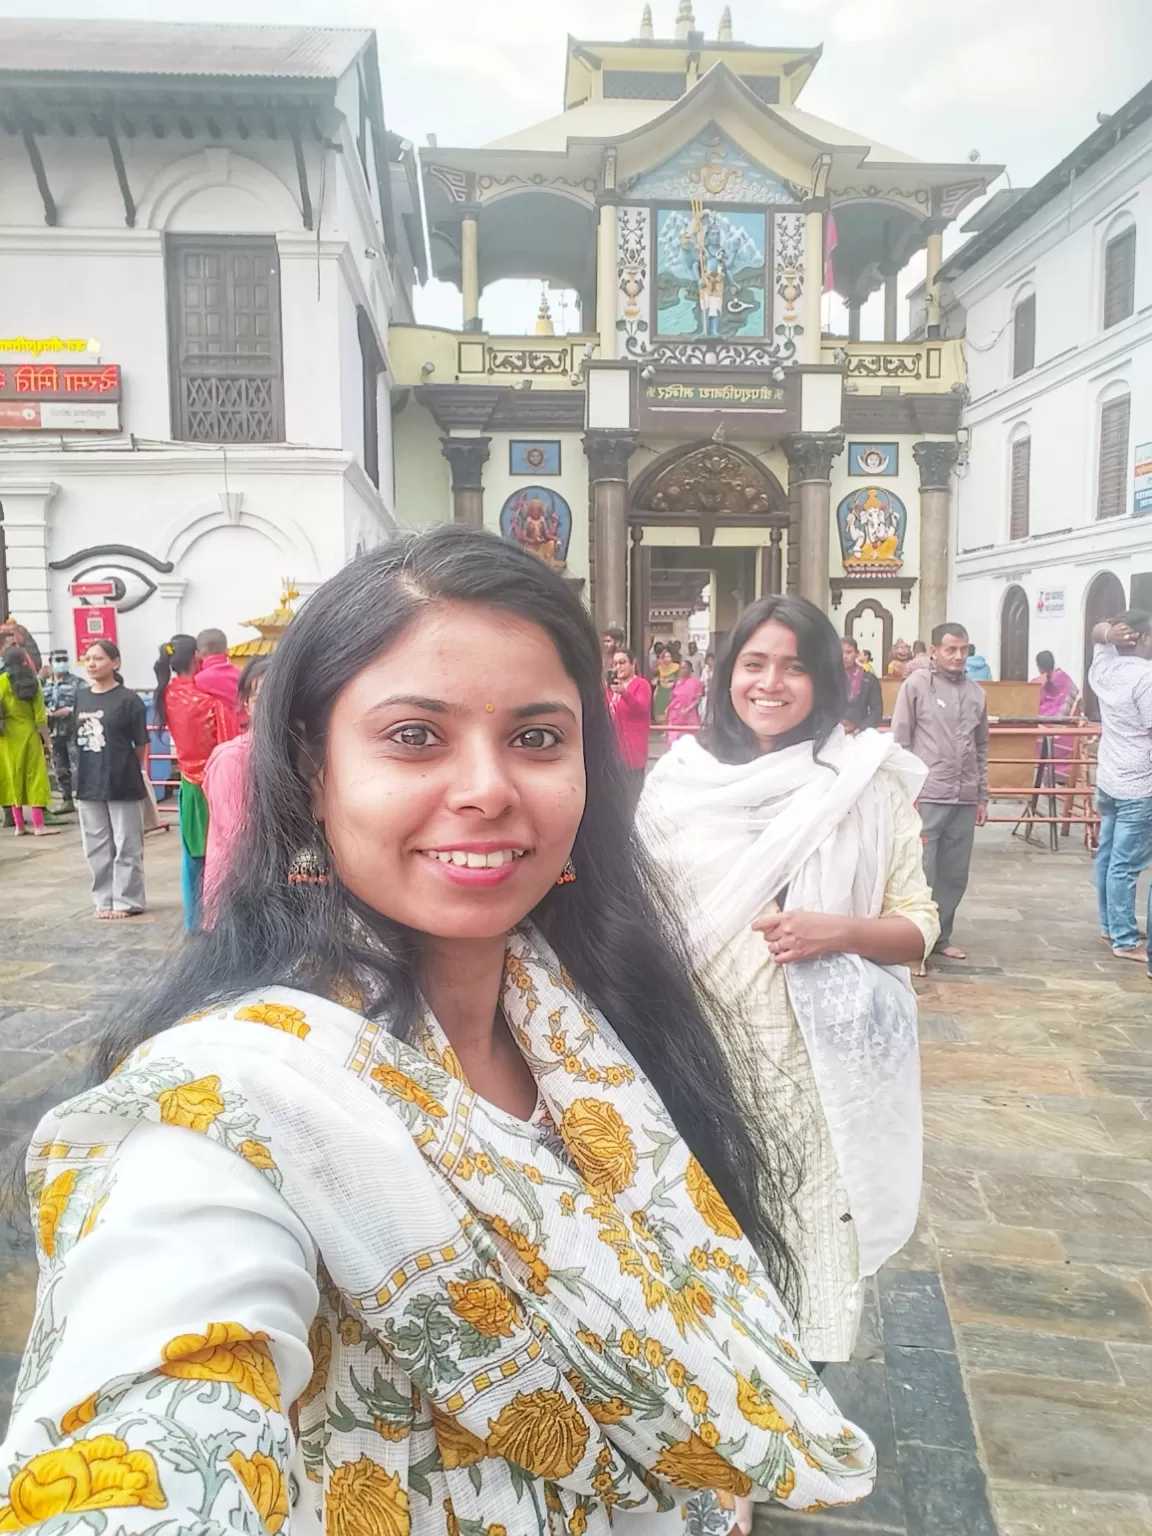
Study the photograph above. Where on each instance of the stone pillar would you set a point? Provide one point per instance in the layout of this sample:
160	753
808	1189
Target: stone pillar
26	503
608	453
891	306
853	319
933	260
813	278
810	456
935	460
467	456
606	280
470	271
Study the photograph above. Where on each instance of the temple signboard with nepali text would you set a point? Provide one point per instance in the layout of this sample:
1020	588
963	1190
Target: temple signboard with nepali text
46	397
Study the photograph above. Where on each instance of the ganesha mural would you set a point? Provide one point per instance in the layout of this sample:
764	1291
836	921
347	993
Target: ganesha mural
872	524
539	521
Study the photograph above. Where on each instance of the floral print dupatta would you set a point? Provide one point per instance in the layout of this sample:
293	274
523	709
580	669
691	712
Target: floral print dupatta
523	1328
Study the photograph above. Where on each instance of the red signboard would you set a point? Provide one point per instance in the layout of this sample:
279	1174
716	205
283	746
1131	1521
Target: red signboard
50	381
92	624
92	588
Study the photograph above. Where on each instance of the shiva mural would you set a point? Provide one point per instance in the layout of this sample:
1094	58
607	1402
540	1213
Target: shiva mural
710	272
872	523
540	522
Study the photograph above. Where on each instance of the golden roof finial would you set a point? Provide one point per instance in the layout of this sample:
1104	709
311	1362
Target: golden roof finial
646	22
544	326
685	19
725	33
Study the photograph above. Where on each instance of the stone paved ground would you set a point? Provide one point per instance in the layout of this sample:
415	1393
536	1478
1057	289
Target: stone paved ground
1005	1370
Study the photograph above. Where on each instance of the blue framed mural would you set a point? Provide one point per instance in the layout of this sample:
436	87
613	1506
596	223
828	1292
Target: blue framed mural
872	523
711	165
711	272
873	459
533	457
540	522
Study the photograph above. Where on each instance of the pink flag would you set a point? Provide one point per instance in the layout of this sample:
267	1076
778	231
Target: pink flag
829	247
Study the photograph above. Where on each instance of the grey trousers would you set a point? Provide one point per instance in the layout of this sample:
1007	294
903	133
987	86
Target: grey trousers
949	831
112	832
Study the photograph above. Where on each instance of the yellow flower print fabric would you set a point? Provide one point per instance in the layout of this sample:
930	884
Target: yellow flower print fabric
522	1328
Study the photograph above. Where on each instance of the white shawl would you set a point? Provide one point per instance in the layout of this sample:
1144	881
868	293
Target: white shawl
817	834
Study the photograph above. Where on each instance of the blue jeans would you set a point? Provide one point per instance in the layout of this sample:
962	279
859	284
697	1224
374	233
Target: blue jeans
1125	849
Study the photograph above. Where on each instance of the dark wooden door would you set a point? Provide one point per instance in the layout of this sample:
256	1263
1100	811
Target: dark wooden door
1105	600
224	339
1014	637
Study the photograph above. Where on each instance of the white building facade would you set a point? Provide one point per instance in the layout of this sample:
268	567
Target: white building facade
1053	506
204	234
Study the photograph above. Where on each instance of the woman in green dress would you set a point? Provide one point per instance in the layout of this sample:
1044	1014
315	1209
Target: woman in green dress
24	743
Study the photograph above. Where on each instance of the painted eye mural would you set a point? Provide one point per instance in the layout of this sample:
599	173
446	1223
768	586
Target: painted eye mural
131	587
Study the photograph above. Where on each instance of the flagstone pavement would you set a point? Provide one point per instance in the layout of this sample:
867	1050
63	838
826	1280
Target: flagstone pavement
1005	1369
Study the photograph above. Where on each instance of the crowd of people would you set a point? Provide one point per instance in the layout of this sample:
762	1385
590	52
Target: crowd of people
520	1121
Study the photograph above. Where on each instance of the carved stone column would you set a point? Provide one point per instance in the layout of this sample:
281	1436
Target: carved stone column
814	212
810	456
935	461
606	279
467	456
608	453
891	303
933	261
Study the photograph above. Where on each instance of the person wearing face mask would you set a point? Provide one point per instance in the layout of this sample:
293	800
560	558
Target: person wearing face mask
60	693
419	1197
800	847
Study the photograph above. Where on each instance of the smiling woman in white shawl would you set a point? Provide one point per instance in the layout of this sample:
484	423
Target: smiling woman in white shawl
800	848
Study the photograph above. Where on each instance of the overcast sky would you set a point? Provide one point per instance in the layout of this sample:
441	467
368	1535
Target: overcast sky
1019	81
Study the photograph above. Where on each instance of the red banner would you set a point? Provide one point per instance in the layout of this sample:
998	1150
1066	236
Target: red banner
49	381
92	624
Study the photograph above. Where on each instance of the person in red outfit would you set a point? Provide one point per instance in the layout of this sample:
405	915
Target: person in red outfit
630	704
218	677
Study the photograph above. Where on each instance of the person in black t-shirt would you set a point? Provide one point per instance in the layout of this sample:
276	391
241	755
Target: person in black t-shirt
112	738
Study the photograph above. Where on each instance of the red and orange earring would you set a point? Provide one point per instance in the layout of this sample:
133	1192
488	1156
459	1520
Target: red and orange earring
567	874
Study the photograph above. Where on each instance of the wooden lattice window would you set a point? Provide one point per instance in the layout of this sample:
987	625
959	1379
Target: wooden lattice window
1120	277
1024	336
1021	488
224	339
1112	495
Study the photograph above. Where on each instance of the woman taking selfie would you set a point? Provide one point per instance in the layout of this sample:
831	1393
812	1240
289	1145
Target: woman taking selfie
428	1216
801	848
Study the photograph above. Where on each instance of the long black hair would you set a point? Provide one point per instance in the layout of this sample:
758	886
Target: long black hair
21	677
612	928
818	648
177	656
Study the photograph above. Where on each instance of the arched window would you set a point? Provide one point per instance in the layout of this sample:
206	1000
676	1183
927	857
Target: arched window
1112	455
1119	270
1023	332
1020	481
1014	636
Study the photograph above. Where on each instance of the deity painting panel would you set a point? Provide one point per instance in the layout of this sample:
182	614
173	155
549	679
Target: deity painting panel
873	459
872	523
534	458
712	166
540	522
710	272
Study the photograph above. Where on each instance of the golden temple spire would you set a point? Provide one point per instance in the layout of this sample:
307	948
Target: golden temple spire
646	22
544	326
685	20
725	33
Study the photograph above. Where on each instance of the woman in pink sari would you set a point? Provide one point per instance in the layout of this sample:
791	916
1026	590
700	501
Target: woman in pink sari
684	705
1059	697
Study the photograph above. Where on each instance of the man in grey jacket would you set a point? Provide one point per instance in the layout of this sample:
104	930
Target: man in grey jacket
941	716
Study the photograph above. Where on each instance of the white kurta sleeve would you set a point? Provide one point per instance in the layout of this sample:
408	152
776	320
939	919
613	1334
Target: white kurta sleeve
169	1341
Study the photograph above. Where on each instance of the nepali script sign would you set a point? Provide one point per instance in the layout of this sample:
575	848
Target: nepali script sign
47	397
699	404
